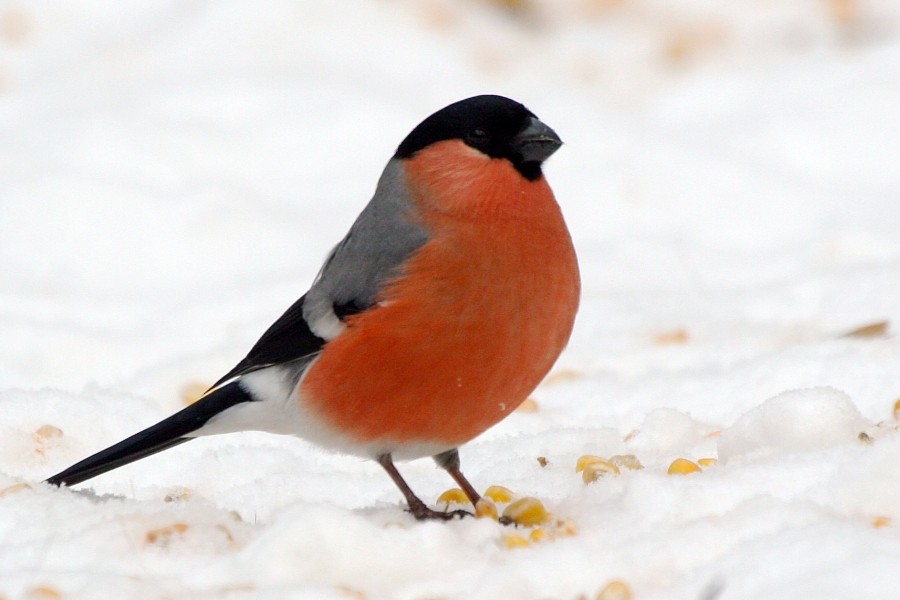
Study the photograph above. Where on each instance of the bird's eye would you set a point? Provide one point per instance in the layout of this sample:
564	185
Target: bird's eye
478	136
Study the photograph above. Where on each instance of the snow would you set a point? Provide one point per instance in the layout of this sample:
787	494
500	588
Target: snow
793	422
174	173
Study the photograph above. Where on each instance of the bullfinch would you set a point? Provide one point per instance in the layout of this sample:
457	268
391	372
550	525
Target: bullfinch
445	305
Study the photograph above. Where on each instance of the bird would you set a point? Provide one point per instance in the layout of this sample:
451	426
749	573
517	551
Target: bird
442	309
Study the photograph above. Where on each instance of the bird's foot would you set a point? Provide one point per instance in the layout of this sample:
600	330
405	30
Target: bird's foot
422	513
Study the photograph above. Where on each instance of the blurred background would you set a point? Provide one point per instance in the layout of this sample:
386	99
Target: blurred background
172	173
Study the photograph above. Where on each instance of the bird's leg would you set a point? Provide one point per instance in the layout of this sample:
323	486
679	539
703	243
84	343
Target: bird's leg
449	461
416	506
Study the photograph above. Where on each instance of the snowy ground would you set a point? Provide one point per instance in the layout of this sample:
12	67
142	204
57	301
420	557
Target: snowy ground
173	173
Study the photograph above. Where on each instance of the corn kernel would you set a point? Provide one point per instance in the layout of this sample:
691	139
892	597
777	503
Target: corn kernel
486	509
43	592
707	462
876	329
897	410
179	495
453	496
584	461
192	391
513	6
346	591
530	405
566	527
526	511
596	470
537	535
629	461
164	535
514	540
879	522
615	590
845	13
682	466
42	434
48	431
673	337
14	488
562	376
498	493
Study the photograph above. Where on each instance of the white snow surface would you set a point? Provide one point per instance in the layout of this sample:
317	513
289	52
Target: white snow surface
173	173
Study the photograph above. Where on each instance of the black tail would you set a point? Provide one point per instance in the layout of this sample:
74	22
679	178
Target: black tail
165	434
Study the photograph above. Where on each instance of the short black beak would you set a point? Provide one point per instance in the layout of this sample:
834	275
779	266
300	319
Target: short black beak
536	142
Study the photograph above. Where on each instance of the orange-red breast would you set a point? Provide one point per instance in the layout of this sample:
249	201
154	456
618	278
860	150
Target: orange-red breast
444	306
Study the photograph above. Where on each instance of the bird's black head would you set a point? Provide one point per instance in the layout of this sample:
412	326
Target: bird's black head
497	126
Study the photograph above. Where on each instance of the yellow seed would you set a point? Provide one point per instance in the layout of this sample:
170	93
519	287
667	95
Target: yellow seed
615	590
563	376
42	434
498	493
179	494
845	12
565	527
629	461
879	522
682	466
346	591
16	487
530	405
897	410
485	509
514	540
537	535
43	592
513	6
707	462
192	391
453	496
876	329
673	337
48	431
164	535
596	470
526	511
584	461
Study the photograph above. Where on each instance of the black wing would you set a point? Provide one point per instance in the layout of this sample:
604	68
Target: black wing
287	339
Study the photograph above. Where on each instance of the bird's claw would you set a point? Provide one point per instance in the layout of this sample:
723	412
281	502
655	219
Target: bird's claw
423	513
